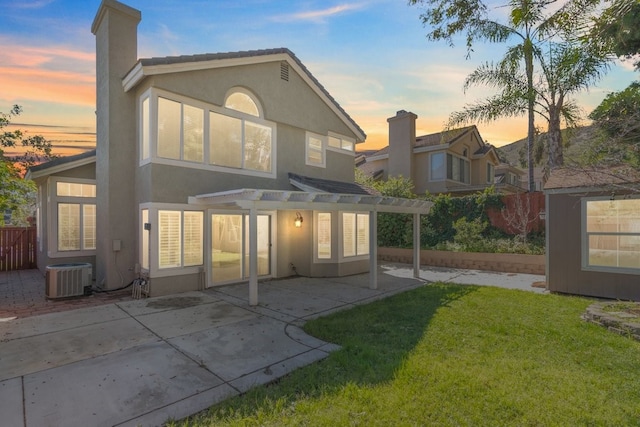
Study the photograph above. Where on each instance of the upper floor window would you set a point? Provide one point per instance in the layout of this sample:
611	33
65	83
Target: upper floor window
458	169
315	150
611	235
175	129
490	173
437	167
340	142
242	101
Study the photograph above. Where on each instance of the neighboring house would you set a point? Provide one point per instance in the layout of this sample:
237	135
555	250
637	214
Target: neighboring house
593	232
456	161
209	169
508	179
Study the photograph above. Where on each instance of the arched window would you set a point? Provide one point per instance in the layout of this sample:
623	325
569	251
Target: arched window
241	100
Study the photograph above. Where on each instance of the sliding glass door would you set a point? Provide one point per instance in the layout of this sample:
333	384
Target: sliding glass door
230	247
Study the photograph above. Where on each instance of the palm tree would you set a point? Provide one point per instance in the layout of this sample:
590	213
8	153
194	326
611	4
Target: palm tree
565	70
531	22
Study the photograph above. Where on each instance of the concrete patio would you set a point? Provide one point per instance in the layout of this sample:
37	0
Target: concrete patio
141	362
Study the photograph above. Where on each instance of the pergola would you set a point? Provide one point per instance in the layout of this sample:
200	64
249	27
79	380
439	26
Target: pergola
253	201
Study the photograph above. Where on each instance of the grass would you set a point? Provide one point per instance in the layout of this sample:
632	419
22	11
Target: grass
449	355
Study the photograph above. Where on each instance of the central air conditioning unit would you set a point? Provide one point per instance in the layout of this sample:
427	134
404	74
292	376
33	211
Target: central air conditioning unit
67	280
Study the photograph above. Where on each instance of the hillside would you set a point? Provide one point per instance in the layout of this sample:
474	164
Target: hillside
574	139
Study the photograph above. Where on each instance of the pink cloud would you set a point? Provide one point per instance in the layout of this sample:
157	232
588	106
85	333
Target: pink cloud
46	85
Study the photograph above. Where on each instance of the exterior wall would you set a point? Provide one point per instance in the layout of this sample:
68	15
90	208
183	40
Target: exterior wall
564	252
507	263
44	190
115	28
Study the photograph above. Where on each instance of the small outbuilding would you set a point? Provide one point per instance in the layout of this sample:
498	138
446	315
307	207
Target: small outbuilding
593	232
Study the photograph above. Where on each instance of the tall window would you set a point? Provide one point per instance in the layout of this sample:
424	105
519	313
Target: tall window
324	235
179	129
612	234
490	173
458	169
315	150
76	216
355	234
180	238
438	167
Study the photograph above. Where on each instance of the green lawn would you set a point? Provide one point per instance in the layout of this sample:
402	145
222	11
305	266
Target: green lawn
449	355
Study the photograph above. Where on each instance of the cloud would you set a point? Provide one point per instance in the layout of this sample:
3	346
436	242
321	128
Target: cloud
36	4
46	85
318	16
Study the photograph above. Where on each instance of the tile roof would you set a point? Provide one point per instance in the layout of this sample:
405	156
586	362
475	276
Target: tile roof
433	139
62	160
329	186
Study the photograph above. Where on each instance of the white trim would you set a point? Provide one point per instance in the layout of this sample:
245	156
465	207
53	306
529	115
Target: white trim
52	216
584	240
155	93
323	149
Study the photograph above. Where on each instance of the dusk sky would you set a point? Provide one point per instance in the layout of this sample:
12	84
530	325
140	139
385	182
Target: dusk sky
371	55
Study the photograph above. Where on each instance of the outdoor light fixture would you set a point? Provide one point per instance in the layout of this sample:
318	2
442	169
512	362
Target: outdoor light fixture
298	221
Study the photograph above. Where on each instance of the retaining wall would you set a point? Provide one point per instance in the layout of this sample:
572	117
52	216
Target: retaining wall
506	263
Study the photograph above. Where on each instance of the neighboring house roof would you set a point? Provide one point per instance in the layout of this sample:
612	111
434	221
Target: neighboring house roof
60	164
306	183
574	179
171	64
447	137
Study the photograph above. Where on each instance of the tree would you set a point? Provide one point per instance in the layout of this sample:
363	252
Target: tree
531	22
617	119
566	68
16	194
37	148
617	30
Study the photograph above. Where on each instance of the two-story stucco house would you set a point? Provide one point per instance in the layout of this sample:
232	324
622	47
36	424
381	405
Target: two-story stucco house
456	161
209	169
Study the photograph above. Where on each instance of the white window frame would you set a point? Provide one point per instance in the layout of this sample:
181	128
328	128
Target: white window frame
345	144
54	200
154	93
145	133
322	151
585	240
153	210
316	239
358	255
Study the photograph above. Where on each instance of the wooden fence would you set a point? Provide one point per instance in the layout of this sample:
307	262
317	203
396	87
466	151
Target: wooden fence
17	248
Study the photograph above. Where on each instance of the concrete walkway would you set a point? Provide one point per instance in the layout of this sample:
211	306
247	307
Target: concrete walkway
142	362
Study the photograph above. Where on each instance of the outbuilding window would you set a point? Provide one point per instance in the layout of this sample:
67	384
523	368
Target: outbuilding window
611	235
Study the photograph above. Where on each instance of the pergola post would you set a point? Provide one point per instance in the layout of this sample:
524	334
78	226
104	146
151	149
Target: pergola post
373	250
416	245
253	257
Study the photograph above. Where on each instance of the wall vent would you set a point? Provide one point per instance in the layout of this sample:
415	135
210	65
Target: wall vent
284	71
67	280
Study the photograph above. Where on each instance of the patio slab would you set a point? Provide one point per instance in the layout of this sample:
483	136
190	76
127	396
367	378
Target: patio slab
141	362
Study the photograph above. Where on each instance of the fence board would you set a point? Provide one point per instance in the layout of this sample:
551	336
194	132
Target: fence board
17	248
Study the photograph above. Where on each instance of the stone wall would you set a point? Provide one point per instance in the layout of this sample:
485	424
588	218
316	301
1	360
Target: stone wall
506	263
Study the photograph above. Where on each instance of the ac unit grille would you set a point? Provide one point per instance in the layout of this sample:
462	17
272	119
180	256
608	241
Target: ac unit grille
67	280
